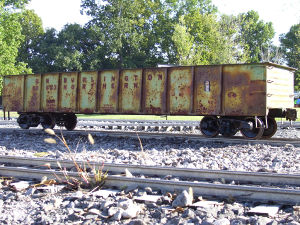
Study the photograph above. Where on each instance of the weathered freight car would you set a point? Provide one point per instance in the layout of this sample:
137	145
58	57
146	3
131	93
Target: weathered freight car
245	97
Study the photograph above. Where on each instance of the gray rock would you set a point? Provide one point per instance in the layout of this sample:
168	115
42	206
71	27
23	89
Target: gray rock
182	200
112	211
223	221
137	222
188	213
118	215
131	212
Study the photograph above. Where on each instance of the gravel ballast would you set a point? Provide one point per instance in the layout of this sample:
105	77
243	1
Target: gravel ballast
84	207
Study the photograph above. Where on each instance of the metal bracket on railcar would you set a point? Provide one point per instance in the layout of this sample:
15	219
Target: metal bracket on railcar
291	114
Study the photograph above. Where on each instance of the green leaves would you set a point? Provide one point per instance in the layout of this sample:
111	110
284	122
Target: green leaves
290	43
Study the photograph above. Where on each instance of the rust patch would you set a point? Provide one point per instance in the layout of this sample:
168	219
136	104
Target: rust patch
13	93
50	92
130	91
154	92
180	90
207	93
109	84
244	90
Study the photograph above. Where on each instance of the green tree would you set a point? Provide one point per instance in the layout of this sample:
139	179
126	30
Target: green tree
254	36
10	39
32	30
290	42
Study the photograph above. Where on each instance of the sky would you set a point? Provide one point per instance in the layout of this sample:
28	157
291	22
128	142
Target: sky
282	13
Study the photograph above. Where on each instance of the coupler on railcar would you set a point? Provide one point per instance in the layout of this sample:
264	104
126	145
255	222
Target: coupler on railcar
47	120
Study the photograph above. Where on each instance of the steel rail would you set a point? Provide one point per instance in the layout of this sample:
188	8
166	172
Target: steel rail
203	189
253	177
161	135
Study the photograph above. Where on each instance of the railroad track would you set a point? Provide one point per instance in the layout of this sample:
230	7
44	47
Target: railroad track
161	135
139	123
255	187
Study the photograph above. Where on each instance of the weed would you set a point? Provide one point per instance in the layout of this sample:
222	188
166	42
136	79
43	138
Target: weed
94	179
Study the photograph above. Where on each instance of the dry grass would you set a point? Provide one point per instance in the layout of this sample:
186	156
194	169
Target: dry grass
90	175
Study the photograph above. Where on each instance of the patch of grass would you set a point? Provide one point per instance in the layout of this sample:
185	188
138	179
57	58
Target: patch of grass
94	179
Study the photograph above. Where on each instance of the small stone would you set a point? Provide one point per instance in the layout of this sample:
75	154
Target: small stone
94	211
112	211
137	222
223	221
182	200
20	186
131	212
125	204
188	213
127	173
30	191
118	215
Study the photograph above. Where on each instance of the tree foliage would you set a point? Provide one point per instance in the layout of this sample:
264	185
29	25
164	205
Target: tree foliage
10	39
290	43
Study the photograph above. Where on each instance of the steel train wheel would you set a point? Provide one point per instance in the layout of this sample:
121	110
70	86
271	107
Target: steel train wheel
272	128
48	121
209	126
70	121
253	133
23	121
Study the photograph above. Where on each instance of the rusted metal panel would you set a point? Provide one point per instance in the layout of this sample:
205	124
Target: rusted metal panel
244	90
68	92
280	88
13	93
50	92
130	91
88	92
180	81
109	83
32	93
207	93
154	92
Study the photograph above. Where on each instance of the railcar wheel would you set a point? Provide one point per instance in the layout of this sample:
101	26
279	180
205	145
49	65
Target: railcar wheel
23	121
70	121
48	121
209	126
272	128
253	132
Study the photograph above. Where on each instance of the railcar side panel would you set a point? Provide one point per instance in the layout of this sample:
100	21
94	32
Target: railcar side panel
13	93
50	92
87	92
280	88
109	83
244	90
155	91
180	86
208	90
130	91
68	92
32	93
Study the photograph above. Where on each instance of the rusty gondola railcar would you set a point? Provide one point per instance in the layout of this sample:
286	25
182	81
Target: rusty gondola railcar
232	98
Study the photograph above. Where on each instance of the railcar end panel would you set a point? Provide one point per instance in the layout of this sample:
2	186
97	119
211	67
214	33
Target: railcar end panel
280	88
